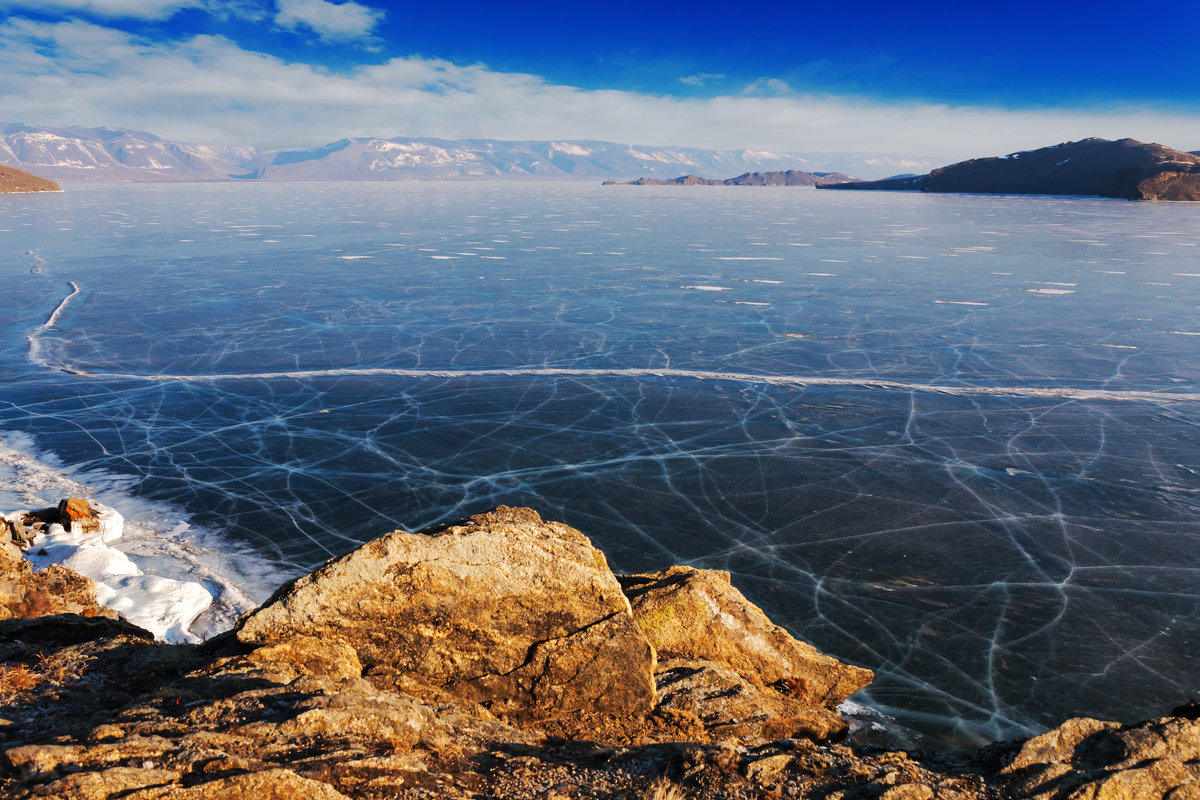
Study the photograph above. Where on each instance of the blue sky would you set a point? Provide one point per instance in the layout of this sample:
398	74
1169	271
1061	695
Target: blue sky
924	79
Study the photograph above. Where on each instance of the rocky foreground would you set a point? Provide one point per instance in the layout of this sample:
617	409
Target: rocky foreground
496	658
1125	169
13	180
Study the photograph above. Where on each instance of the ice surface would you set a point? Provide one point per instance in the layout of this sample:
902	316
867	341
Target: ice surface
996	506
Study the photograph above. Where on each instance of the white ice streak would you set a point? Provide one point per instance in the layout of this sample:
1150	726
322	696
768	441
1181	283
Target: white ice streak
1048	392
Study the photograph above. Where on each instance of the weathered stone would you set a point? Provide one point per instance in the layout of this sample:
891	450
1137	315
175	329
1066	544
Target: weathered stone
18	533
503	606
769	769
76	511
908	791
271	784
32	761
1154	780
55	590
697	614
108	783
329	658
1058	745
1177	739
731	707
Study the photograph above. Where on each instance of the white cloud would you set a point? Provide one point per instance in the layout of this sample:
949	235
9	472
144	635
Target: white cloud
701	78
333	21
136	9
207	89
767	86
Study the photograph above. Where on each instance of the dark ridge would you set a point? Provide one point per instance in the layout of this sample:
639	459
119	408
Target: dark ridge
1125	169
791	177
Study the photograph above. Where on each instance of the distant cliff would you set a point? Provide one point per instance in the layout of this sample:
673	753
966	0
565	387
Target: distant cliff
791	177
13	180
1126	169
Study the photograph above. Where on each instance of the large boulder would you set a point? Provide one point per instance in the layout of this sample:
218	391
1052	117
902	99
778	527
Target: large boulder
1089	759
520	615
690	613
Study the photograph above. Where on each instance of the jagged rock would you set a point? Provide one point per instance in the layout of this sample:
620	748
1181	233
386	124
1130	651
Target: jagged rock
734	709
54	590
505	610
307	714
690	613
300	655
271	784
18	533
74	511
108	783
1088	759
10	548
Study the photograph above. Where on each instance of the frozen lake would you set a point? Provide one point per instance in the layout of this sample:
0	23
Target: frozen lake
950	438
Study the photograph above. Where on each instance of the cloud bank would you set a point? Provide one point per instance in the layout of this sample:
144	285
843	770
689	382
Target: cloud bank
208	89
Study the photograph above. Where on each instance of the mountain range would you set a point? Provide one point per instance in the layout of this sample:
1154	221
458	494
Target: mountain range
77	154
1125	169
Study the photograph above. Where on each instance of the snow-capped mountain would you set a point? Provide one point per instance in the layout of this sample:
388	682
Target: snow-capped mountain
104	154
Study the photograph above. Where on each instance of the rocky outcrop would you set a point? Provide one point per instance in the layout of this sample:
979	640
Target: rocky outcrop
690	613
14	181
790	177
1125	169
396	672
520	615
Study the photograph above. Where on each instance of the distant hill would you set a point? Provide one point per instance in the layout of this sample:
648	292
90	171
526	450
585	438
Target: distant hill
1125	169
14	180
106	154
790	177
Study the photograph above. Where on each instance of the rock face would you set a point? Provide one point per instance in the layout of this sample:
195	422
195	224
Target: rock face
13	181
377	677
1096	760
690	613
1125	169
505	610
790	177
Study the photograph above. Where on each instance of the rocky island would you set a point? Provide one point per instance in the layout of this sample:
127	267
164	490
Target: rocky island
790	177
1125	169
13	181
498	657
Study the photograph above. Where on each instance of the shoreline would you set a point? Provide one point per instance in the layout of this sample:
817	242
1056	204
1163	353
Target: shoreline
152	553
336	689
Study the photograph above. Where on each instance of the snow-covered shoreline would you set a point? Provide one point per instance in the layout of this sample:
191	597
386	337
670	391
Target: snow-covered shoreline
149	564
166	607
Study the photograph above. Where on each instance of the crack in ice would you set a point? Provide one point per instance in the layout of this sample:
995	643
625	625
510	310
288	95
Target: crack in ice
1051	392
